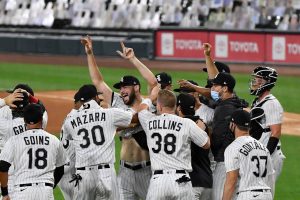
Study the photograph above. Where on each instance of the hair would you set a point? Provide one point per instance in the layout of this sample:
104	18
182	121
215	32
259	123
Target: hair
230	89
187	111
243	128
166	98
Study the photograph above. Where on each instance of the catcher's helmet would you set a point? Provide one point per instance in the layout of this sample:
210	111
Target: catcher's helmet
267	73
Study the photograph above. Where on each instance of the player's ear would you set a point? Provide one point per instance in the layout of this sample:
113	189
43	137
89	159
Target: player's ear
136	88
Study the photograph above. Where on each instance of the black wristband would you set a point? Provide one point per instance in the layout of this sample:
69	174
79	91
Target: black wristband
272	144
4	191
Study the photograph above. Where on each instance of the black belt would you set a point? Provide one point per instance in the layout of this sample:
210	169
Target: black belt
162	172
135	167
260	190
256	190
91	167
34	184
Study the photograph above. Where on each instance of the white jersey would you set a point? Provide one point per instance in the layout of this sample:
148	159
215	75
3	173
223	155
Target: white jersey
206	114
34	154
169	140
273	115
253	161
92	130
2	103
6	112
68	144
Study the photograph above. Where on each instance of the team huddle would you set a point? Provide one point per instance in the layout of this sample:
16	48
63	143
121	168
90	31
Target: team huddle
200	143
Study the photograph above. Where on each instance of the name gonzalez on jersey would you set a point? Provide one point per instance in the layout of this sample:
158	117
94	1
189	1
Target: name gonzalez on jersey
248	147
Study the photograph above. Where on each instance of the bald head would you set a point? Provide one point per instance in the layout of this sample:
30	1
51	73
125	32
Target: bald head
166	99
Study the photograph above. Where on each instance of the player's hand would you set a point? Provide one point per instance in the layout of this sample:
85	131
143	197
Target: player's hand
207	49
15	96
6	197
185	84
127	53
88	45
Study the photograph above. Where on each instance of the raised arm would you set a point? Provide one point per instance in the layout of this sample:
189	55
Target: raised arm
128	54
211	67
202	90
95	74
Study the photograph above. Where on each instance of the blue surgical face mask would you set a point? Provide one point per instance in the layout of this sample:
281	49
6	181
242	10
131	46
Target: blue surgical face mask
214	95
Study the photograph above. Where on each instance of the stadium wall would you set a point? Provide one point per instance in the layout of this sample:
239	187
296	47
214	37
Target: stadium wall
167	44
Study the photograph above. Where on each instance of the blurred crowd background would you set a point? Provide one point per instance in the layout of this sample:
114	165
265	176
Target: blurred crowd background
151	14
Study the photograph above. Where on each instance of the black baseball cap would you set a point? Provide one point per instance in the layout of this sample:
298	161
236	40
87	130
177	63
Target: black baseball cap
126	81
241	117
186	101
163	78
224	79
23	103
222	67
33	113
86	92
76	97
24	87
184	89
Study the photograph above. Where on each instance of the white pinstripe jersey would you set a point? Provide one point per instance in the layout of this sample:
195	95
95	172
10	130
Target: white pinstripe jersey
206	114
253	161
2	103
169	140
92	129
68	144
34	154
10	126
273	115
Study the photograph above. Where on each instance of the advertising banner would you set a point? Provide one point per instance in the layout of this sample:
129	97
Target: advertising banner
180	44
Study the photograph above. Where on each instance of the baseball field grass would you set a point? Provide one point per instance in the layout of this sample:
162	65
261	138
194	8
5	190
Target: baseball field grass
49	77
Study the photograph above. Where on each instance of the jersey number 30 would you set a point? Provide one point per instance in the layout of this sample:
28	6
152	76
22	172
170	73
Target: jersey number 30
168	143
96	130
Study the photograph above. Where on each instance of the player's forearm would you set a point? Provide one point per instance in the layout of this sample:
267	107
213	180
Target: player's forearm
276	130
95	74
145	72
228	191
202	90
211	67
3	179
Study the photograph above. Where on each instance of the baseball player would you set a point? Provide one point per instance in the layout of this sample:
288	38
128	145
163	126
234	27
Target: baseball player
9	113
92	130
135	172
169	140
201	175
38	159
270	120
249	160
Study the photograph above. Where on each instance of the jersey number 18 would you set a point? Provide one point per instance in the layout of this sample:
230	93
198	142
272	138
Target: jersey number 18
38	158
